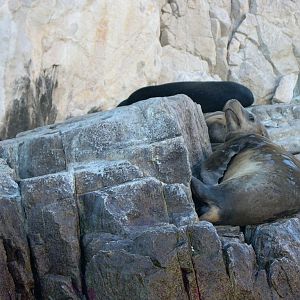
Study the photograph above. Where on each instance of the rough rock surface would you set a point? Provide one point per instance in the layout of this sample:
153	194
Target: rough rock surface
282	123
103	210
61	58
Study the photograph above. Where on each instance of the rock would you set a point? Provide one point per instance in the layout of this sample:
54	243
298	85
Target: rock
124	173
252	42
239	9
207	256
104	211
249	63
284	91
16	280
73	56
182	30
133	204
230	232
178	65
53	224
146	266
7	282
277	246
283	124
248	281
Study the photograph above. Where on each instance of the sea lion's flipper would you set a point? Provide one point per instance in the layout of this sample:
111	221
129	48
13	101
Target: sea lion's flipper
212	170
202	196
199	189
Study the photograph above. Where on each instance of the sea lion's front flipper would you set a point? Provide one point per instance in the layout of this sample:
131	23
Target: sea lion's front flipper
212	170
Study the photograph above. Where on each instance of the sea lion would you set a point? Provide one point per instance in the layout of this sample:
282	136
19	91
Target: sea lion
211	95
249	180
217	127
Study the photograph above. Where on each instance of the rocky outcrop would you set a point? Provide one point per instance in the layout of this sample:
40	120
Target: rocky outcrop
60	59
16	279
100	207
282	123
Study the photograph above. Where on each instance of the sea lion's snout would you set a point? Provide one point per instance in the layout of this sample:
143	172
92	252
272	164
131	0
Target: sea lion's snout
232	104
233	114
241	121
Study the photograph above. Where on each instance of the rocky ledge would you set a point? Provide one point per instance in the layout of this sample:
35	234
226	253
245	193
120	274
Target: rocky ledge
99	207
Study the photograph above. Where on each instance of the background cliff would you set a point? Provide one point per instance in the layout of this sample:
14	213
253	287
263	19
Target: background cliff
61	58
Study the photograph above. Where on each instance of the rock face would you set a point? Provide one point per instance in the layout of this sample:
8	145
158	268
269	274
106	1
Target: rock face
60	59
282	123
99	207
16	279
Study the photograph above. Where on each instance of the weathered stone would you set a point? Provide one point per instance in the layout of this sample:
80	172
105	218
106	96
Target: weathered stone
16	278
284	91
119	221
7	285
180	28
101	174
283	124
136	203
59	287
230	232
41	155
40	82
53	225
252	42
257	72
181	209
213	281
248	282
178	65
154	264
277	249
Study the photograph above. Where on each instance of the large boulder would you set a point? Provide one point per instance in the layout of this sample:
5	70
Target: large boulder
120	176
100	207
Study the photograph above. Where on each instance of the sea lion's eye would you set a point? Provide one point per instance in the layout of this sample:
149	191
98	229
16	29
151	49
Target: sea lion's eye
251	118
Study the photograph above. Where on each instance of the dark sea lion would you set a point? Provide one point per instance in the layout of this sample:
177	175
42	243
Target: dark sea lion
249	180
211	95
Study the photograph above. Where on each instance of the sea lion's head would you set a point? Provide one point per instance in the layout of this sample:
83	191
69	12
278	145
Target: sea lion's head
216	125
240	121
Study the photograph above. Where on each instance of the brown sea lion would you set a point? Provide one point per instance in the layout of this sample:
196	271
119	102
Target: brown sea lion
249	180
217	127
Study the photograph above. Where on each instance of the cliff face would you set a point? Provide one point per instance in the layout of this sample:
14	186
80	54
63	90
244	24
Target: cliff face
61	58
100	207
